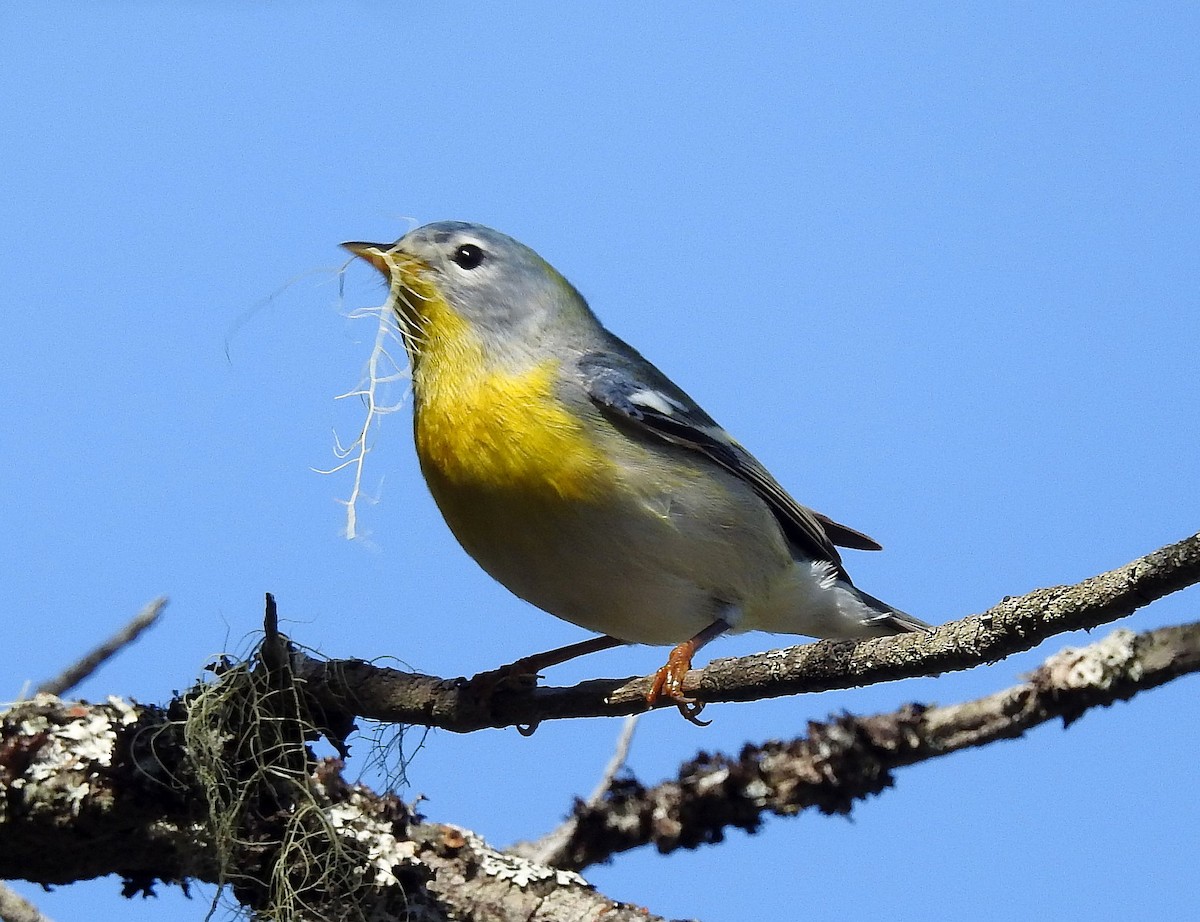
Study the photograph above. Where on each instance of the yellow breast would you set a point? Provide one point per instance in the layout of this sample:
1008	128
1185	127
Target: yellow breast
485	430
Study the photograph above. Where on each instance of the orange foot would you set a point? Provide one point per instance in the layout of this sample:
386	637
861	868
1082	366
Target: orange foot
668	683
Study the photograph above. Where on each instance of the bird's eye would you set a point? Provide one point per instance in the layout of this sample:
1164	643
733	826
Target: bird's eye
468	256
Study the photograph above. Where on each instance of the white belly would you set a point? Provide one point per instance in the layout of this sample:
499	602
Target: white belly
657	570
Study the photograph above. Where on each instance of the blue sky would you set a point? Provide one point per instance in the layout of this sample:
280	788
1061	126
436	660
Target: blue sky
934	263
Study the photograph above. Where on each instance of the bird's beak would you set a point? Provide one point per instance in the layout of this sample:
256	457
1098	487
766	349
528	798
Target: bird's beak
372	253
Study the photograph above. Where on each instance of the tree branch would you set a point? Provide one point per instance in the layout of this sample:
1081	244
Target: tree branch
554	847
358	688
850	758
73	775
86	665
15	908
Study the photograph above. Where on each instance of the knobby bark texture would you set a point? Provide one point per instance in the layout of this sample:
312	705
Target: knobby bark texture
354	687
221	786
90	790
851	758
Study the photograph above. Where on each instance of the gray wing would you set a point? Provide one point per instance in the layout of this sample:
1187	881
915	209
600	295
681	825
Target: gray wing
638	394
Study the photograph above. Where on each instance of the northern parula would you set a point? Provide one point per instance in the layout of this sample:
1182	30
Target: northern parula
579	476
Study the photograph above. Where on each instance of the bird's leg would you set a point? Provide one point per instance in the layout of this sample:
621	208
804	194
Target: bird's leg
668	681
532	665
527	668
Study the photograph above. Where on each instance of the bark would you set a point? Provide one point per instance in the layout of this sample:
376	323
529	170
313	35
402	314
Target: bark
851	758
220	786
89	790
353	687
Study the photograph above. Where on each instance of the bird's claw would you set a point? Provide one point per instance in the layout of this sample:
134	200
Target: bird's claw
513	677
668	684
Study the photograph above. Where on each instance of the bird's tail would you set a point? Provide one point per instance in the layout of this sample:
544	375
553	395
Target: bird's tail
891	620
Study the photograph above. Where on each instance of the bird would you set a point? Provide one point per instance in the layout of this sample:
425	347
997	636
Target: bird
580	477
